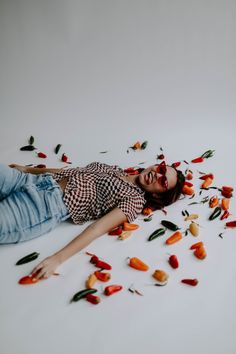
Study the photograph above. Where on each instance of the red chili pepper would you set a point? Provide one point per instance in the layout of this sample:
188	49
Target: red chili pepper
225	215
104	265
189	184
227	189
102	276
209	175
198	159
29	279
192	282
111	289
176	164
131	171
64	158
42	155
231	223
93	299
116	232
173	261
94	259
161	157
226	194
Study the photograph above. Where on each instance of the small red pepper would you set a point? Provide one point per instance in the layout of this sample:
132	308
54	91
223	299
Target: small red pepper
64	158
176	164
192	282
198	159
116	232
102	276
226	193
231	223
93	299
225	215
111	289
189	184
42	155
104	265
28	280
209	175
94	259
173	261
160	157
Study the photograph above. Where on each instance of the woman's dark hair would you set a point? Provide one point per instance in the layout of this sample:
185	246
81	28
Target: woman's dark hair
165	198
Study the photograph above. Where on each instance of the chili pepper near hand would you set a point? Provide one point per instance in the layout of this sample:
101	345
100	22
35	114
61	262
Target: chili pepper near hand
115	232
225	215
177	236
129	227
156	233
231	224
41	155
111	289
102	276
29	258
28	280
169	225
136	263
215	213
173	261
82	294
225	204
93	299
192	282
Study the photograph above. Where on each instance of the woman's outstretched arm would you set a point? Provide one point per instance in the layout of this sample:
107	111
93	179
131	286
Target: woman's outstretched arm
47	267
36	170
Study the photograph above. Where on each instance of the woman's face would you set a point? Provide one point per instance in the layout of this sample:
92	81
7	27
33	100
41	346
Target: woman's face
150	181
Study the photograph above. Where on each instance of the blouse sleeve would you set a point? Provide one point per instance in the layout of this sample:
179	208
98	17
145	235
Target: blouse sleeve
131	206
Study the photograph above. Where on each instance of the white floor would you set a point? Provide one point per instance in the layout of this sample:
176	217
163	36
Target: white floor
98	76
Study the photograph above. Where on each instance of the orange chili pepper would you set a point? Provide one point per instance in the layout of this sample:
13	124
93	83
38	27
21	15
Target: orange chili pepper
208	181
213	202
189	184
200	252
147	211
187	190
174	238
209	175
136	263
129	227
196	245
136	146
189	176
225	203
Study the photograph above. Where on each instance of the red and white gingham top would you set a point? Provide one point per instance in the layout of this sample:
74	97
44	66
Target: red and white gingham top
96	189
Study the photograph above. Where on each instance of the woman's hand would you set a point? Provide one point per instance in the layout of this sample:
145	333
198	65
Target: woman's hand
19	167
46	268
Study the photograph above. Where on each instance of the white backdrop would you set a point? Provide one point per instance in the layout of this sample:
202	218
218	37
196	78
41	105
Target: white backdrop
98	76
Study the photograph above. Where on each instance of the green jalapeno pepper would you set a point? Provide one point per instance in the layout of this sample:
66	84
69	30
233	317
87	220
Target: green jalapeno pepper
157	233
29	258
82	293
169	225
215	214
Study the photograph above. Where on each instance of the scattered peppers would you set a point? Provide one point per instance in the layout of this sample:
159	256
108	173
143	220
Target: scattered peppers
200	252
102	276
187	190
93	299
231	224
64	158
82	294
176	164
215	214
116	232
209	175
160	275
129	227
156	233
225	204
196	245
28	148
225	215
41	155
207	182
213	202
91	281
194	229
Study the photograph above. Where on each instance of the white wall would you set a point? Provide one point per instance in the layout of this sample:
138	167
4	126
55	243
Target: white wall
98	75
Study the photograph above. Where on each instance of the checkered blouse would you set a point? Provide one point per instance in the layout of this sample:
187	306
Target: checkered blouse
96	189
